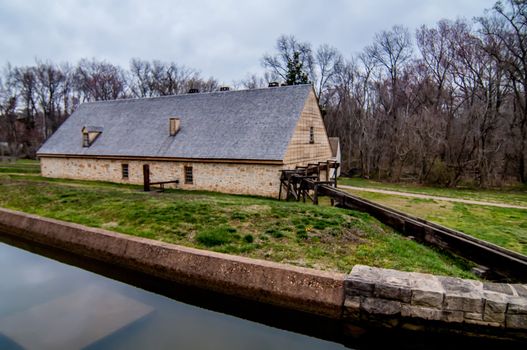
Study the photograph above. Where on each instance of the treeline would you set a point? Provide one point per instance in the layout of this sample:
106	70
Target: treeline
448	109
443	105
35	100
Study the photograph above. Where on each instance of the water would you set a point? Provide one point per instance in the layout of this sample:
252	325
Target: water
46	304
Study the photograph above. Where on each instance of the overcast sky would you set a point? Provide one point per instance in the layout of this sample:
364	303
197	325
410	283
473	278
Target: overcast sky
221	38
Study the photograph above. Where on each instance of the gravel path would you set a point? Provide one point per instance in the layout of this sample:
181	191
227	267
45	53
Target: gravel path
425	196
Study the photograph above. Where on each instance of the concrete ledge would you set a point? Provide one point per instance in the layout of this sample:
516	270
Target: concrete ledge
410	300
301	289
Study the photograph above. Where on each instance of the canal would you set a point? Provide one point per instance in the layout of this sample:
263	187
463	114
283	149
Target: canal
50	299
47	304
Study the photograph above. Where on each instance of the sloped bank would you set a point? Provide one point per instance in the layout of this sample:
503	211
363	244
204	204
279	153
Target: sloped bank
369	297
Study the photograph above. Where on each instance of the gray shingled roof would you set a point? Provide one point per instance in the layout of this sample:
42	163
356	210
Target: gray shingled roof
249	124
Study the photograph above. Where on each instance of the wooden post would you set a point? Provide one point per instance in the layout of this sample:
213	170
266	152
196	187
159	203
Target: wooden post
315	196
327	171
146	177
335	173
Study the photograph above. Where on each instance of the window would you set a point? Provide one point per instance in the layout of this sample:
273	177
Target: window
189	178
124	169
85	139
311	135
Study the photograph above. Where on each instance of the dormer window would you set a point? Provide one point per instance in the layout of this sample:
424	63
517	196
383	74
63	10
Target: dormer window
174	125
90	134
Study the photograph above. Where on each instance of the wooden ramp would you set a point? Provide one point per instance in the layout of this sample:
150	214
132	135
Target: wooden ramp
73	321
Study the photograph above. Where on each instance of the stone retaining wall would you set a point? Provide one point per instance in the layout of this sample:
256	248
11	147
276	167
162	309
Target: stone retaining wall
422	301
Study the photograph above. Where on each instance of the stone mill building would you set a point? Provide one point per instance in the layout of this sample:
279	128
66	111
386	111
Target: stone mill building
227	141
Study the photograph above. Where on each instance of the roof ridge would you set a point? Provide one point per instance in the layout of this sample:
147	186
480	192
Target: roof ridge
132	99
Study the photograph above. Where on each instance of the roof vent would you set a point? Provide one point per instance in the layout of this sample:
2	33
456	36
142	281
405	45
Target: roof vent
174	126
274	84
224	88
193	91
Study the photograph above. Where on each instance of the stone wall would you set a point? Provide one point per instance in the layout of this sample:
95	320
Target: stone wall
252	179
420	301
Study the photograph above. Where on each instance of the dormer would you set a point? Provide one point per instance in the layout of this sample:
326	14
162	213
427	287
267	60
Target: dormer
90	134
174	124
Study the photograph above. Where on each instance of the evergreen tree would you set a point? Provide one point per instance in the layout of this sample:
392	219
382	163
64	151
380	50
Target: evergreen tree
295	73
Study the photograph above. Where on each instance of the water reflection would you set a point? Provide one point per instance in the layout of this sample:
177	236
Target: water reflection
47	304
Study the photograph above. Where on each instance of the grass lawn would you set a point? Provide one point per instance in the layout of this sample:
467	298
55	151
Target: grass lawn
511	195
295	233
502	226
20	167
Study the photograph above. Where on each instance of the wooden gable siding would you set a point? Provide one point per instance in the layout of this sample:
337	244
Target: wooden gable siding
299	150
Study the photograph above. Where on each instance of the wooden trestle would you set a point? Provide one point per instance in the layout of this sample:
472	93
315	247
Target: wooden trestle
303	181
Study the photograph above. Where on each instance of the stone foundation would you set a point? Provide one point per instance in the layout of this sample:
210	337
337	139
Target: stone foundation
418	301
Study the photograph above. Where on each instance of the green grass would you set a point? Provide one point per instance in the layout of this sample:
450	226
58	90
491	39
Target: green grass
300	234
502	226
511	195
21	166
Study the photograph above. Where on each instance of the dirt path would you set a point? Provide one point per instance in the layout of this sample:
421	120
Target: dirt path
425	196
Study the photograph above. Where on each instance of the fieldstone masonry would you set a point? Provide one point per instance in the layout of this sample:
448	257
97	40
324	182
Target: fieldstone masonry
420	301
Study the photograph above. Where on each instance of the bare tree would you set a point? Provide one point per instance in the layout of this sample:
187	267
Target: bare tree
289	52
99	80
327	61
506	31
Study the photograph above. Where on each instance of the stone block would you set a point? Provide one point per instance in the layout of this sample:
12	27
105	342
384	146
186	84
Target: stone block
452	316
498	288
521	289
468	303
495	307
352	307
517	306
366	273
516	321
396	280
460	286
381	306
426	282
494	316
421	312
427	298
359	287
473	316
392	292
